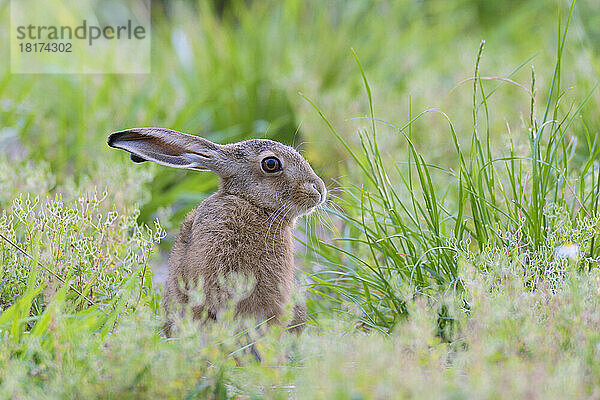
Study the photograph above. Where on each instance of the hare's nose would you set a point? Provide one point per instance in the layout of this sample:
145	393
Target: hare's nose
316	189
322	191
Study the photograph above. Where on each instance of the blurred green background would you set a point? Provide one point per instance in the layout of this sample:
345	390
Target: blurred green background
230	70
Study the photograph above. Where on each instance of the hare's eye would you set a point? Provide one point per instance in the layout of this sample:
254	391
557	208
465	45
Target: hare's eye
271	164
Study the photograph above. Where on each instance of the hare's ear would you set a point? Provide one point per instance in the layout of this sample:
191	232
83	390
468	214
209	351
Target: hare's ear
167	147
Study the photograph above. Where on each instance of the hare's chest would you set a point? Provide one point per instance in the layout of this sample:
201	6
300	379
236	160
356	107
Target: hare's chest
245	243
260	249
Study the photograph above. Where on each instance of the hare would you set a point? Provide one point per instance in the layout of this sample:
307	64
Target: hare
244	228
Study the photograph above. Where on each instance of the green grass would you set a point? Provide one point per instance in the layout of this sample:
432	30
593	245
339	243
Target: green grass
404	231
461	176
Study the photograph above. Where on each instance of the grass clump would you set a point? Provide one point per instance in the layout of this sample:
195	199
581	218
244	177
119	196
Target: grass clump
405	227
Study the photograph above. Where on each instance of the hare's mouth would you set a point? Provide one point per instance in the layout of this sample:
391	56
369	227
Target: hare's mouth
309	196
310	203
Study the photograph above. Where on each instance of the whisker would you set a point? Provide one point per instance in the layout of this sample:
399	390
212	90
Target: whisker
333	205
298	147
326	219
339	187
295	135
308	230
281	218
280	225
334	195
273	218
312	227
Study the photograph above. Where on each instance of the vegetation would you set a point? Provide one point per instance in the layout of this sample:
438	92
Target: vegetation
457	257
412	234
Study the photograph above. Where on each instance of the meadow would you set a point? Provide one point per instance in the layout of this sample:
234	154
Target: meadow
457	256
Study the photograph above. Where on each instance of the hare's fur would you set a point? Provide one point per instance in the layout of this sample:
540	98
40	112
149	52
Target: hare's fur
227	234
244	229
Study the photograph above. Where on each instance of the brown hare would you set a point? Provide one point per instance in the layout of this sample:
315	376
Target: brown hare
244	228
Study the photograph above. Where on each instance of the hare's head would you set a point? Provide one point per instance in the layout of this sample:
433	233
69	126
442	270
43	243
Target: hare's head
268	174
